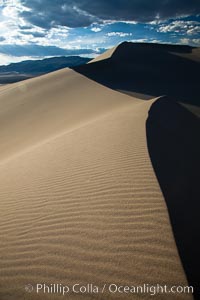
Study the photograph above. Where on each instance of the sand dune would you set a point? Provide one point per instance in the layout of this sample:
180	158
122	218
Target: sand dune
106	55
177	169
36	109
149	70
79	199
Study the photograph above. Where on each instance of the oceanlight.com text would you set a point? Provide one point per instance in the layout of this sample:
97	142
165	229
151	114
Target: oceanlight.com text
77	288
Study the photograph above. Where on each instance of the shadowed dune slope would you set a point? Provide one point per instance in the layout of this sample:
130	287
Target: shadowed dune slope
174	148
86	207
149	69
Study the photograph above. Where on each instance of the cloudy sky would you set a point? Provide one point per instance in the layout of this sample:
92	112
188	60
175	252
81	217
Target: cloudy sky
32	29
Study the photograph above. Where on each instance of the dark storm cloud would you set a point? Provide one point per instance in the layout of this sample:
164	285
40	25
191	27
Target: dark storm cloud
37	50
48	13
2	39
78	13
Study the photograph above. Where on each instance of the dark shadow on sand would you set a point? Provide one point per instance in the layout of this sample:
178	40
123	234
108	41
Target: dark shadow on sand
173	136
149	69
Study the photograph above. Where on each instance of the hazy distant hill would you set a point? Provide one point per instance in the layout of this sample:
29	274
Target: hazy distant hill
30	68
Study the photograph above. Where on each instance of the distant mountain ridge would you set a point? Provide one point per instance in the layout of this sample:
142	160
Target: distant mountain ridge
31	68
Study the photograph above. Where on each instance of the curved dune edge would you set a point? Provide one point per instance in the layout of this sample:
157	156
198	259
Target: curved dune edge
40	108
84	206
174	147
106	55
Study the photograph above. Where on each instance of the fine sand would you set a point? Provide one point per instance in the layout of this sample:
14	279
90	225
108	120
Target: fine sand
79	198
